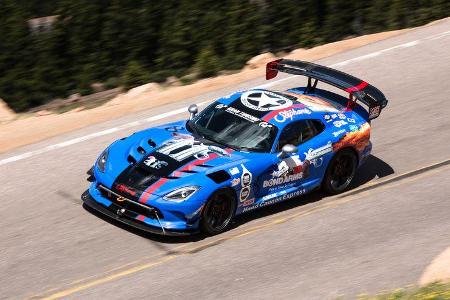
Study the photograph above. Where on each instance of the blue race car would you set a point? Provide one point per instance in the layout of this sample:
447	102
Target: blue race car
243	152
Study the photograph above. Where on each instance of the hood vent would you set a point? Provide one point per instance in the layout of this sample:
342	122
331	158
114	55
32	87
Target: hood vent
219	176
151	143
131	159
141	150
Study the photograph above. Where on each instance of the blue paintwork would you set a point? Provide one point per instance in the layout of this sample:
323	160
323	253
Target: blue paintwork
185	215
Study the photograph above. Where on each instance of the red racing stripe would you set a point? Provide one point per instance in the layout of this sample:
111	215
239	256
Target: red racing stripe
140	218
145	195
194	163
272	114
358	87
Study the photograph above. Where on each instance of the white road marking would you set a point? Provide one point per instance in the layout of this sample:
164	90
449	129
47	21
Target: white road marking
184	109
374	54
95	135
439	35
352	60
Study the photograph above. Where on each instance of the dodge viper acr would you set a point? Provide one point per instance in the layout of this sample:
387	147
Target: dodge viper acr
243	152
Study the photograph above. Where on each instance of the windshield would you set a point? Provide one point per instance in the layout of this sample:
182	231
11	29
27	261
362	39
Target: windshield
234	128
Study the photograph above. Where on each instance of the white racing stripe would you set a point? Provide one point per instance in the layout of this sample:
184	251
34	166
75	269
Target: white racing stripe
184	109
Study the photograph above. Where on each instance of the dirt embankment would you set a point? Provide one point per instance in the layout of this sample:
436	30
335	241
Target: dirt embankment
23	130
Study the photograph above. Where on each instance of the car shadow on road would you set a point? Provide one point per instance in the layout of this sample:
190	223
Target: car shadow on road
373	167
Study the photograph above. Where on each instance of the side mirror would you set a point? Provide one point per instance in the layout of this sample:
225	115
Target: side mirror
287	149
193	110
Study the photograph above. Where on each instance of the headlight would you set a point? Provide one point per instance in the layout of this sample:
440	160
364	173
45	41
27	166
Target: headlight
101	161
181	194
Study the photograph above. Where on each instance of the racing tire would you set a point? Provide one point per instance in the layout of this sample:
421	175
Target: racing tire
340	172
218	212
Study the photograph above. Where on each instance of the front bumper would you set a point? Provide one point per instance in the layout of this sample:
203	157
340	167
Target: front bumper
122	215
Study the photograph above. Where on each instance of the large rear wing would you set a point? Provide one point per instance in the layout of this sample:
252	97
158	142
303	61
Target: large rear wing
357	88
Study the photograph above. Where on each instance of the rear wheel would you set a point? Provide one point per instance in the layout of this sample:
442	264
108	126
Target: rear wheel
340	172
218	212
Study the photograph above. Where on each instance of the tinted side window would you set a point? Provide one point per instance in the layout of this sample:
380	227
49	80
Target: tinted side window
299	132
318	126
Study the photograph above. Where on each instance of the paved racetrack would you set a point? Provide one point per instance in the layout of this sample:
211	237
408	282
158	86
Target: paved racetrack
313	247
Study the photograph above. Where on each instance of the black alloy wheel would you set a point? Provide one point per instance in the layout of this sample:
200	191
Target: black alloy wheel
218	212
340	172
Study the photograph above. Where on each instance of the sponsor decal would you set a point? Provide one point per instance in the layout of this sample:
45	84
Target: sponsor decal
242	114
282	180
246	179
274	198
351	120
314	153
265	124
245	192
282	170
342	116
290	165
284	115
339	132
234	171
353	128
120	199
287	171
248	202
235	181
339	123
264	100
314	156
153	163
331	117
124	189
271	196
374	111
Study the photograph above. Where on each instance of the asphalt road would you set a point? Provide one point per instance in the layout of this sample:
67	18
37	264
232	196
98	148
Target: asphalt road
313	247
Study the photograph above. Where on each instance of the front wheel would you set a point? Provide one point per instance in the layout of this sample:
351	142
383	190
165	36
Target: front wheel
340	172
218	212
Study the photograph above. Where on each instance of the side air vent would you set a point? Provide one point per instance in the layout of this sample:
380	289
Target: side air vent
151	143
131	159
189	171
219	176
141	150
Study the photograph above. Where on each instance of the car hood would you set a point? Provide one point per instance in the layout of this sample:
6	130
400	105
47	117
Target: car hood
171	154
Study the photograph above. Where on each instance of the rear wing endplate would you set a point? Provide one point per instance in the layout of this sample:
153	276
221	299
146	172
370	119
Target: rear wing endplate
357	88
